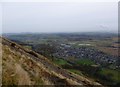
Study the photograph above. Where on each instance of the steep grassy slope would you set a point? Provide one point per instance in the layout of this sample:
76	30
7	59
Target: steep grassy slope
21	66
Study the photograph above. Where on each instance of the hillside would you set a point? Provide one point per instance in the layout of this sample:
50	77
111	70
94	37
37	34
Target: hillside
21	66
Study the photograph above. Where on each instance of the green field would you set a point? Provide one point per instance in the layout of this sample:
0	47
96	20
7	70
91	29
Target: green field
85	62
112	74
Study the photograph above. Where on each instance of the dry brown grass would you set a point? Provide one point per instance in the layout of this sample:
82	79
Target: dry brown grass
22	76
13	72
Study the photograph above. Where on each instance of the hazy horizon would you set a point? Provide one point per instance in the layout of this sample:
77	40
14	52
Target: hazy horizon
52	17
114	32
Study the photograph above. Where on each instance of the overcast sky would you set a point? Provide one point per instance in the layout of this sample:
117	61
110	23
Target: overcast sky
59	16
